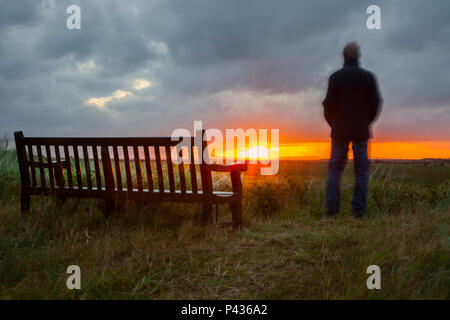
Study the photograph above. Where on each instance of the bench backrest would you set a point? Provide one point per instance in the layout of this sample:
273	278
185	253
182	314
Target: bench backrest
101	164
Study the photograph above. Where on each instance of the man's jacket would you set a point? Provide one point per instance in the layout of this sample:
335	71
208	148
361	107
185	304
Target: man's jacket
352	102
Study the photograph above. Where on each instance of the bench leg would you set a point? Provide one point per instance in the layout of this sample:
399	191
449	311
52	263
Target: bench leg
207	209
24	203
236	211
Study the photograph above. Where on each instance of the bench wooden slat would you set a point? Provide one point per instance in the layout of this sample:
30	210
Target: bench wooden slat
109	180
127	167
177	196
59	171
192	171
170	169
159	169
181	172
101	141
87	167
41	166
98	177
137	165
33	170
69	167
50	170
204	170
148	168
77	167
117	168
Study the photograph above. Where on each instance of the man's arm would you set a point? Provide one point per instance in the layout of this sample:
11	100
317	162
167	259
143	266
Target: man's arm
375	99
329	104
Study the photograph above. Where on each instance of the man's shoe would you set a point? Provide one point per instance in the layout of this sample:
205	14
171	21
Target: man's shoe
330	215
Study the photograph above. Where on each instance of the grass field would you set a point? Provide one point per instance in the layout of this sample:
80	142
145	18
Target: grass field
285	250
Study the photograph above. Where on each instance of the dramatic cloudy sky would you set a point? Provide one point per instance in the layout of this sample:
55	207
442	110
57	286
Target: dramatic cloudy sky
147	67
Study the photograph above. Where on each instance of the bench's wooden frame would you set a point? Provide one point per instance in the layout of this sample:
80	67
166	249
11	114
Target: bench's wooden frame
108	178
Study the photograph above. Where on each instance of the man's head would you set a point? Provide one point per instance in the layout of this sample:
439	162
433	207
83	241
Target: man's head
351	51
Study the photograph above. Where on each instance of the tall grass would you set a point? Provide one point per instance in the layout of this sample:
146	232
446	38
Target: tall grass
285	250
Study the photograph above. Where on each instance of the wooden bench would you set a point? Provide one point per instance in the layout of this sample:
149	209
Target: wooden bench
92	168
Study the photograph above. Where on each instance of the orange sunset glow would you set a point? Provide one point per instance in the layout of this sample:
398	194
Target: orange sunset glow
321	150
377	150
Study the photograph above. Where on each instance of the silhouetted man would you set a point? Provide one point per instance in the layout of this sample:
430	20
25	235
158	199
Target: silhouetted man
350	107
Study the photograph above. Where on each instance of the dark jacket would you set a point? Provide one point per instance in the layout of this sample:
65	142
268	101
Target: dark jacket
352	102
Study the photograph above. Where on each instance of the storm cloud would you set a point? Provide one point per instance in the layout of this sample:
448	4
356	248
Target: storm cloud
233	63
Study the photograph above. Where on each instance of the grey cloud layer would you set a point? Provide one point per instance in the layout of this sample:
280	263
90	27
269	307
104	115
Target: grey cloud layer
228	63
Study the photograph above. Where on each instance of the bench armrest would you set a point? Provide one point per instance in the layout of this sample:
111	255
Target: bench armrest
235	170
228	167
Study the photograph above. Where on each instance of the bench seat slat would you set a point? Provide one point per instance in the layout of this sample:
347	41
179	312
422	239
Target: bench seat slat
192	170
59	168
148	167
159	169
77	167
145	195
41	166
49	166
170	169
98	177
87	166
69	166
117	168
144	190
126	162
181	172
33	170
137	165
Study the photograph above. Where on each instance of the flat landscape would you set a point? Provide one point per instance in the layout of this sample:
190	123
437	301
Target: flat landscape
286	250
